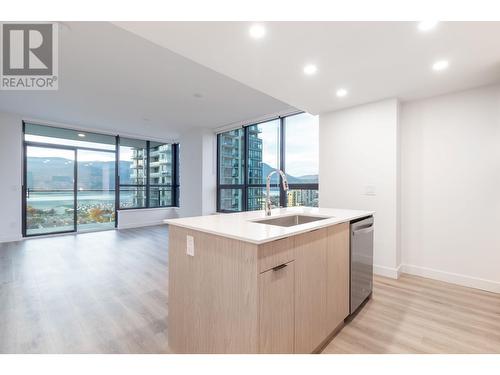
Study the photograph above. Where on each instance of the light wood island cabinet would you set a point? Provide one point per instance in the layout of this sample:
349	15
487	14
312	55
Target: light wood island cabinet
285	296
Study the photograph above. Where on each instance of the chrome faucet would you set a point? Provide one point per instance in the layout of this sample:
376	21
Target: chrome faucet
268	188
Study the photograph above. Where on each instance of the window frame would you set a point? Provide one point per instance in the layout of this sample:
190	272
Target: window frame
246	185
174	186
137	186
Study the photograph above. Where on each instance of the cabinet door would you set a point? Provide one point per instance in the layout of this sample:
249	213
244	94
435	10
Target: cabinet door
276	311
337	275
310	290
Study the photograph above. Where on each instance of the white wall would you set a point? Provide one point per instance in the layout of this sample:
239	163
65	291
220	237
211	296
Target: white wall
197	172
145	216
11	172
358	169
450	187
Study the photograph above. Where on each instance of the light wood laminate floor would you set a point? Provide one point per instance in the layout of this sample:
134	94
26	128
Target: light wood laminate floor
102	292
418	315
107	292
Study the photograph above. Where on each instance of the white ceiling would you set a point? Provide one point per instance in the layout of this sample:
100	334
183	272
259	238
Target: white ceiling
141	78
372	60
113	80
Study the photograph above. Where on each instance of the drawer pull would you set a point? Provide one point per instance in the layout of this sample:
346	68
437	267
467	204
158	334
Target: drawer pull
277	268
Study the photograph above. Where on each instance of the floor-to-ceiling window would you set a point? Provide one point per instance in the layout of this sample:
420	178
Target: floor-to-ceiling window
247	155
263	157
133	175
69	180
95	189
50	190
301	159
161	175
148	174
75	180
231	150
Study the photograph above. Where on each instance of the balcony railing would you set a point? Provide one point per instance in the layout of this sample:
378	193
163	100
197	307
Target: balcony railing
49	210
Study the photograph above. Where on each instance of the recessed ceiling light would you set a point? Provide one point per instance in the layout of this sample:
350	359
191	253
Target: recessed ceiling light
440	65
257	31
341	93
81	135
427	25
310	69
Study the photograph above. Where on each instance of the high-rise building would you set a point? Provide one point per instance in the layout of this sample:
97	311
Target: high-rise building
138	176
303	197
231	168
255	194
160	173
231	172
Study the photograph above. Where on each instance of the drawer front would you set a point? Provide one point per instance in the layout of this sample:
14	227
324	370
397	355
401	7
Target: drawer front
275	253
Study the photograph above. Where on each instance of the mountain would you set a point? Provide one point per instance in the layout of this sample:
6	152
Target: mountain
57	173
307	179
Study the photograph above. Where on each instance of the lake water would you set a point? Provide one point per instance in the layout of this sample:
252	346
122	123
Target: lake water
65	200
54	211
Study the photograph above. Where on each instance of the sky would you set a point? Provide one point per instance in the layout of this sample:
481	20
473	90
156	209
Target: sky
302	144
269	133
83	155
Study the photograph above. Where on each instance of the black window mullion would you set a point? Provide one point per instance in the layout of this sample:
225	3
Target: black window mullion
218	174
283	200
244	204
117	179
24	182
147	173
175	156
304	186
177	177
75	190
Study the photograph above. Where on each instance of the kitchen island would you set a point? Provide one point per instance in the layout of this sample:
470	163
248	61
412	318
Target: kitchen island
250	283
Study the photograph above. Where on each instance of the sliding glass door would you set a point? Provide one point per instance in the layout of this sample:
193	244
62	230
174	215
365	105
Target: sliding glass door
68	189
50	199
95	190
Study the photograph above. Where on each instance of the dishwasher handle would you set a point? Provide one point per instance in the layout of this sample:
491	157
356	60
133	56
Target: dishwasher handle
363	230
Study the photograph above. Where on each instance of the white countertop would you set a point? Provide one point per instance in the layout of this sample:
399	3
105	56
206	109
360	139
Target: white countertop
240	226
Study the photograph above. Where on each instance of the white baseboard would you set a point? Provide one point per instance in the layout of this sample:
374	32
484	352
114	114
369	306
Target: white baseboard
10	239
393	273
454	278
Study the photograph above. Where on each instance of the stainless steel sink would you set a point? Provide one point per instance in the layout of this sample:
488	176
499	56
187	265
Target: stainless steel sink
290	221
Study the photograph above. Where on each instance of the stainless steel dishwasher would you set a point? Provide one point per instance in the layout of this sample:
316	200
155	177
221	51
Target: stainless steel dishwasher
361	261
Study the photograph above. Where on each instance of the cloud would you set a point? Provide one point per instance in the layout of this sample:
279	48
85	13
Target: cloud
302	144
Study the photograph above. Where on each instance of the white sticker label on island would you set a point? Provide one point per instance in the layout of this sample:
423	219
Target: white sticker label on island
190	245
